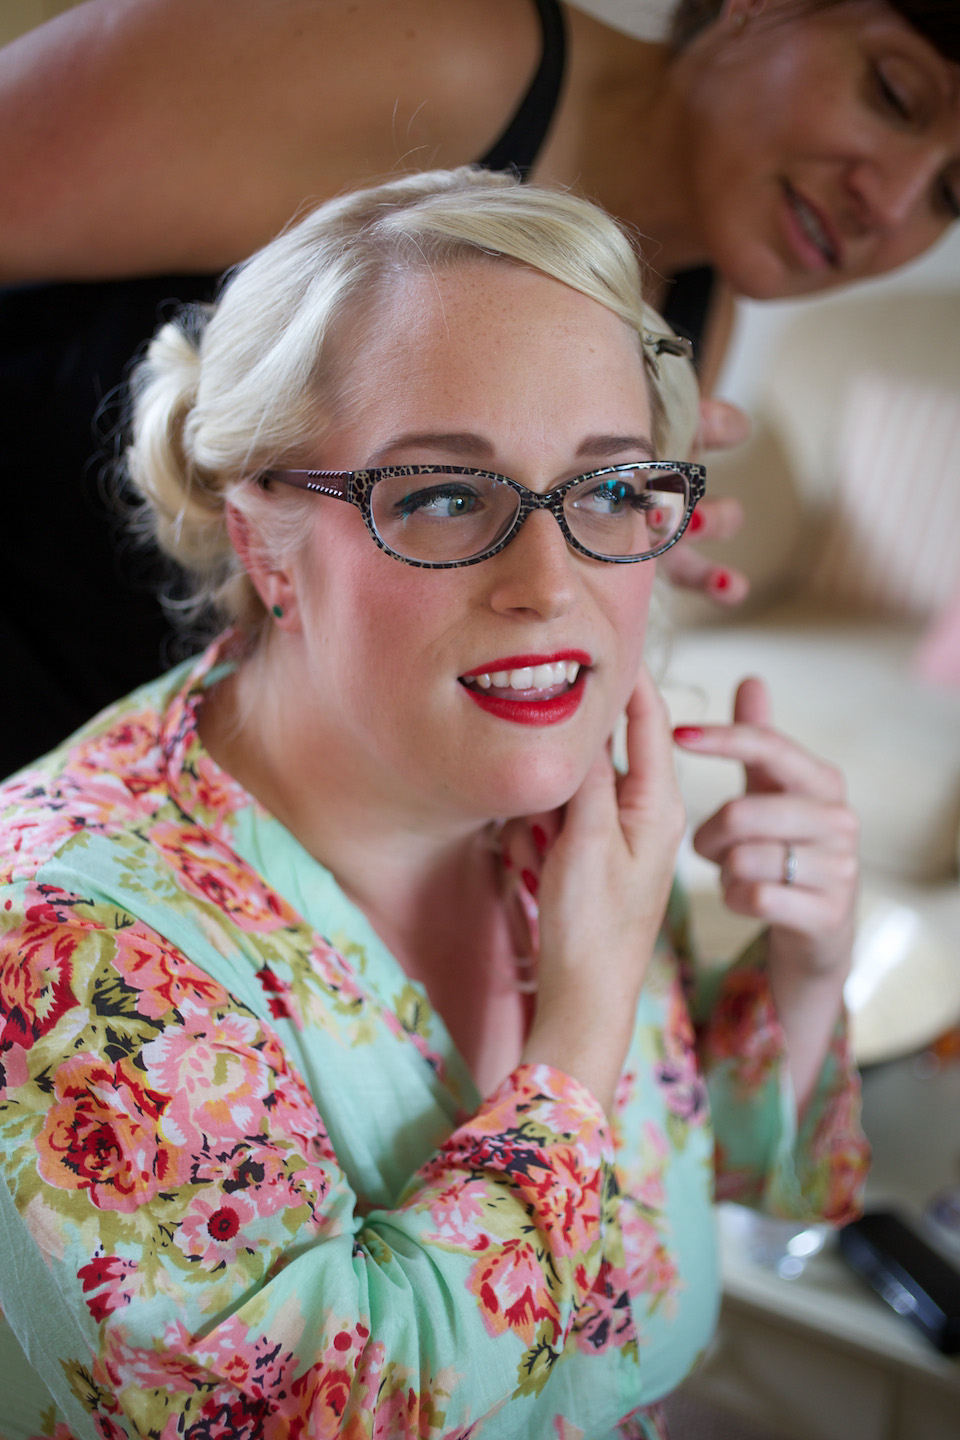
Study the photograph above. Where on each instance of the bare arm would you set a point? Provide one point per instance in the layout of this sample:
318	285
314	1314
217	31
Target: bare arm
147	136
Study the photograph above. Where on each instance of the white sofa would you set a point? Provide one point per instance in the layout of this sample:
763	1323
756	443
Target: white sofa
852	542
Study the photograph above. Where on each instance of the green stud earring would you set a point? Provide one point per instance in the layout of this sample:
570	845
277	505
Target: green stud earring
278	611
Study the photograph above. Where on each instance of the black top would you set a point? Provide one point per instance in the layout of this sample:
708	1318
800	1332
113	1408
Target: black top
80	624
522	140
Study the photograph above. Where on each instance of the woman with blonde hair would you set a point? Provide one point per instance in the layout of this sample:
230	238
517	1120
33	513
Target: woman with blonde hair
357	1078
767	148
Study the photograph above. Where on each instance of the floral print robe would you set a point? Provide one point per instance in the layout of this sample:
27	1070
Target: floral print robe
249	1188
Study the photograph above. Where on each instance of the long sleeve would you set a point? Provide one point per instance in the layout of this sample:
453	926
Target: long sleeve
179	1186
811	1166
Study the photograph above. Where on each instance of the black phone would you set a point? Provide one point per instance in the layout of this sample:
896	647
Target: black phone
914	1278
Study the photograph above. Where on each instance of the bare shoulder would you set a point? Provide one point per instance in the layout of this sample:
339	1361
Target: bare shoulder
166	134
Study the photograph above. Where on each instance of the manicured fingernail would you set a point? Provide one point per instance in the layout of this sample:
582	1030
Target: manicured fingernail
696	522
530	880
505	860
687	733
720	580
539	838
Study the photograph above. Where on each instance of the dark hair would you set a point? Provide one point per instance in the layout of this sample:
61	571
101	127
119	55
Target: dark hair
936	20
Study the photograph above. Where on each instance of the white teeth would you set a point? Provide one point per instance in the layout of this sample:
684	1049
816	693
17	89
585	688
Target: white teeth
530	677
811	227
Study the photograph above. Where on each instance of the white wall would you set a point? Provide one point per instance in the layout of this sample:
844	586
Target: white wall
759	323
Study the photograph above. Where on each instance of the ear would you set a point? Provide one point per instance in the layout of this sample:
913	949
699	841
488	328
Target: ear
275	587
735	14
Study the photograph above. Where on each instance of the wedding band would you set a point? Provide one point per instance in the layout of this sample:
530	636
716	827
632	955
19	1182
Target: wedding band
789	865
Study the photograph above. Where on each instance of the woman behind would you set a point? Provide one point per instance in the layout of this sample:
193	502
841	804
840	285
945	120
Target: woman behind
773	148
355	1082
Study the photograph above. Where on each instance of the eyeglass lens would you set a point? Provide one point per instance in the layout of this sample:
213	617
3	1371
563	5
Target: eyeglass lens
442	518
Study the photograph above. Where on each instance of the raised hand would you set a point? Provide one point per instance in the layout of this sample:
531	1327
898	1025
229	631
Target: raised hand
787	852
722	426
605	873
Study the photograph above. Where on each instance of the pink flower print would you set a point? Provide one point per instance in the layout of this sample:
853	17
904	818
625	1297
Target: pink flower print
279	996
569	1205
255	1364
14	1071
649	1269
211	872
213	1073
744	1028
459	1213
511	1287
605	1319
645	1184
164	978
114	1281
36	967
172	1369
129	748
101	1134
214	1230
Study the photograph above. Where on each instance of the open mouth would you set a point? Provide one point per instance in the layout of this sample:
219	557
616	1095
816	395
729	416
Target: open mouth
812	228
528	682
530	690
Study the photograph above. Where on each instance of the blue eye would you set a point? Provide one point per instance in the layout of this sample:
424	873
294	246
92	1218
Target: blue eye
612	497
439	502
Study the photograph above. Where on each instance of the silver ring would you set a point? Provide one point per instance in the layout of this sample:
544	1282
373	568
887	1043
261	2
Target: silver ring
789	865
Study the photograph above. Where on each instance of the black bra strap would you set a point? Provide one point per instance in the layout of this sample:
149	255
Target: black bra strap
518	146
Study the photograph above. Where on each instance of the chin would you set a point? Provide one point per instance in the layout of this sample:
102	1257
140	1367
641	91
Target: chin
535	787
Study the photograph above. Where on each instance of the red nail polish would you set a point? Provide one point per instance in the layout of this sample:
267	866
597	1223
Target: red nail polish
696	522
687	733
720	580
530	880
505	861
539	836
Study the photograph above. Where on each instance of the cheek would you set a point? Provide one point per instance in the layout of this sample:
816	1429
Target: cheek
627	608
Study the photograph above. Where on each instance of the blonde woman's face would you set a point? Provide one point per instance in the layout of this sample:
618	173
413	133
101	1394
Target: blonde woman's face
497	367
825	146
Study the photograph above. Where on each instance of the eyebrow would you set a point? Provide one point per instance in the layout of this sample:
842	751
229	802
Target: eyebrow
468	446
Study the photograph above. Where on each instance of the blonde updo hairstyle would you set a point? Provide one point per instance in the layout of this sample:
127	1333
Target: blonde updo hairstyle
254	381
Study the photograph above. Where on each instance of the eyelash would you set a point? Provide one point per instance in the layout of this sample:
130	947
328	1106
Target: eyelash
951	200
891	97
894	102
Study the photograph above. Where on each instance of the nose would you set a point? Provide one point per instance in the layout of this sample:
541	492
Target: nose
891	189
536	573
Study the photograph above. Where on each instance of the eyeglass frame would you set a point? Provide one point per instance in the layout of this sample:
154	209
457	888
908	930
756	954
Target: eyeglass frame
356	488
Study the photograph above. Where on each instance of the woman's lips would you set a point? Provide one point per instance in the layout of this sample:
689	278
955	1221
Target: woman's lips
811	238
529	689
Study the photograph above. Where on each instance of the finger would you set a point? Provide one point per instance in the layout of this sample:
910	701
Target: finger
807	867
772	760
782	819
690	571
648	792
815	913
751	704
722	425
525	841
716	518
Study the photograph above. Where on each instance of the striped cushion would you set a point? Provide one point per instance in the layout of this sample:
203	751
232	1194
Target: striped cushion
892	542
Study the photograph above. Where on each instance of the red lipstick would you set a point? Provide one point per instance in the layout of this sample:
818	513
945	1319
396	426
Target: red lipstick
520	662
530	707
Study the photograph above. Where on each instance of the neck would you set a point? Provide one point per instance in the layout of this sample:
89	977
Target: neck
395	862
429	887
628	138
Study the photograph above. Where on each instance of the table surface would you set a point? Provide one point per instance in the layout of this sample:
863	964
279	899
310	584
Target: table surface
912	1117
